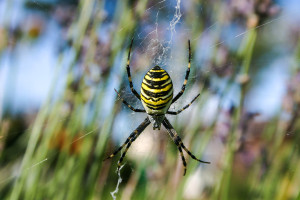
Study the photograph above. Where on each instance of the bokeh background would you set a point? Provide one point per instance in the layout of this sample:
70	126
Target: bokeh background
60	61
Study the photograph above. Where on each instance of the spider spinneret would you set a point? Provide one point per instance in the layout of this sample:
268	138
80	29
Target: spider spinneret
156	97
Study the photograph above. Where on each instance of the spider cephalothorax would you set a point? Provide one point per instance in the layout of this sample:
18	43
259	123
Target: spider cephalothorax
156	97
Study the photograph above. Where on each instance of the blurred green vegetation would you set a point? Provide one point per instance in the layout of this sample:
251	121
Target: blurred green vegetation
57	151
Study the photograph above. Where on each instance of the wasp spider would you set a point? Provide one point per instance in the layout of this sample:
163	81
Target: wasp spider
156	97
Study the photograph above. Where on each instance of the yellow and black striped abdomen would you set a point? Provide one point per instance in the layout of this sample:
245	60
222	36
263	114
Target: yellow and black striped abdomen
157	91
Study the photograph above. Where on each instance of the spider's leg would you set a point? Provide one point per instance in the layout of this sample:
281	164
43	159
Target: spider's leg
179	148
129	75
186	76
127	104
124	153
121	147
182	158
182	109
139	130
131	137
192	156
178	140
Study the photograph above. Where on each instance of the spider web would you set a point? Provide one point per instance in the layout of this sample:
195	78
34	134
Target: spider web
163	39
156	47
156	39
113	194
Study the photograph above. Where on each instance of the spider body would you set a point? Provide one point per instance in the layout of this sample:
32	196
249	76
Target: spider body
156	97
